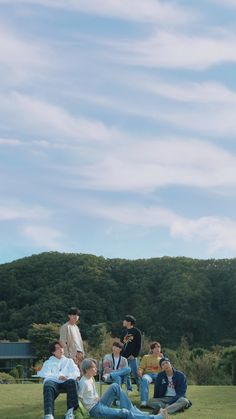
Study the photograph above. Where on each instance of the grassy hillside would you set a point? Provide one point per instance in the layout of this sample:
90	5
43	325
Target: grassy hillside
24	401
170	297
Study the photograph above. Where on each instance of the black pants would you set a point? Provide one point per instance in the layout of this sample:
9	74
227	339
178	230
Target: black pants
51	390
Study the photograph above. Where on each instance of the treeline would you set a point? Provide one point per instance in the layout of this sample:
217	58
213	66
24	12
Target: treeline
171	297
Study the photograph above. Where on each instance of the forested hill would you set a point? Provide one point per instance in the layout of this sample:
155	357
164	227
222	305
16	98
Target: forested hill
171	297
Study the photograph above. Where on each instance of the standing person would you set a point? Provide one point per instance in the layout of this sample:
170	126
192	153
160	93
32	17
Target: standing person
148	370
170	389
78	359
60	374
131	339
70	334
115	366
101	407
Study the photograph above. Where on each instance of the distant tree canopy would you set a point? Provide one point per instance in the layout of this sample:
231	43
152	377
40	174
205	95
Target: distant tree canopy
170	297
41	335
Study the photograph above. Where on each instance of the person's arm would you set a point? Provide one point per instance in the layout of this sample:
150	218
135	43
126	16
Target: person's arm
106	365
63	338
137	346
142	366
46	371
70	371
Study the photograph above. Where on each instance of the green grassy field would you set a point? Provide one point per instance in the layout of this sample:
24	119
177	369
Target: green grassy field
24	401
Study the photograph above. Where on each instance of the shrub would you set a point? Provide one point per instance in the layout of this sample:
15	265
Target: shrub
6	378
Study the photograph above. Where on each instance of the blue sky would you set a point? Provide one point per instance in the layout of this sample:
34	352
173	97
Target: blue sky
118	128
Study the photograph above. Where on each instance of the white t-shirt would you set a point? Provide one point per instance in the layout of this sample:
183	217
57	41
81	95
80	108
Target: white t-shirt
77	337
116	360
87	392
170	392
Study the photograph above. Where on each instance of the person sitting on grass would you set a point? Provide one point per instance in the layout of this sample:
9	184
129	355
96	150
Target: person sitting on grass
60	374
170	389
115	366
148	370
101	407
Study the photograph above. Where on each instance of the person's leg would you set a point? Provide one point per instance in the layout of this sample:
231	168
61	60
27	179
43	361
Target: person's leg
102	410
50	393
114	392
120	374
70	387
144	388
133	364
180	404
160	402
105	411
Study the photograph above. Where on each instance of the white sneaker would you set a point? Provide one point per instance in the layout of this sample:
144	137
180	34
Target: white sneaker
143	404
69	415
106	377
48	417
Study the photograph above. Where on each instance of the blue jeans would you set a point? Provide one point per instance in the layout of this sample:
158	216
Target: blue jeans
144	385
133	364
127	409
121	375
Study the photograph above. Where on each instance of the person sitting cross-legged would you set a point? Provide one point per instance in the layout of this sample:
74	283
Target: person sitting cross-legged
115	366
170	389
60	374
148	370
101	407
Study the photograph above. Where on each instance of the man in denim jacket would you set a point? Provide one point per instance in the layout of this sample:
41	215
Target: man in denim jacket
170	389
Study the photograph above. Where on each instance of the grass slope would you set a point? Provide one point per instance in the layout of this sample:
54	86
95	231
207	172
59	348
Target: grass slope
24	401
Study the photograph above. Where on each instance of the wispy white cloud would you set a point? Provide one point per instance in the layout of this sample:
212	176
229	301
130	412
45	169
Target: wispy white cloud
14	210
176	50
211	111
225	3
10	142
21	59
187	92
215	233
49	119
146	165
43	236
140	11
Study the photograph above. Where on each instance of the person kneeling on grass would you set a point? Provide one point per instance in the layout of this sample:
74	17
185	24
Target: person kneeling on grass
101	407
170	389
60	374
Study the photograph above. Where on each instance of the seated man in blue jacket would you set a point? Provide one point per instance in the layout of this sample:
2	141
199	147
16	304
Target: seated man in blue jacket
170	389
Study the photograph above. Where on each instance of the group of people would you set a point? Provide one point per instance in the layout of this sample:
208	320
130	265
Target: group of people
67	370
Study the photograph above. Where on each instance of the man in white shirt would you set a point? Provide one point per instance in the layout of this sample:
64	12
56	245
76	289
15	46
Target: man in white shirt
101	407
60	374
70	336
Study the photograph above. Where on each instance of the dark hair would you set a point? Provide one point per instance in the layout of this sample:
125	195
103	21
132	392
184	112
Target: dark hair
118	344
52	346
154	344
130	318
163	359
74	310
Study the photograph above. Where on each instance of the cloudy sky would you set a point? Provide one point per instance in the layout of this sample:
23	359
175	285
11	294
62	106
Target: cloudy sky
118	126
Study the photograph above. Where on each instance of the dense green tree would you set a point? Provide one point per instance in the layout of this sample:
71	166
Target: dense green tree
171	297
41	335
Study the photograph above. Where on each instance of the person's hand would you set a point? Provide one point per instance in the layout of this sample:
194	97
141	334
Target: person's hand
63	378
140	373
131	357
